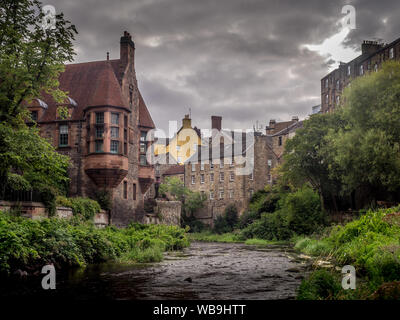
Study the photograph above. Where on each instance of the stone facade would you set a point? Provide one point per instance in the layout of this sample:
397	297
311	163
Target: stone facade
105	132
373	54
166	212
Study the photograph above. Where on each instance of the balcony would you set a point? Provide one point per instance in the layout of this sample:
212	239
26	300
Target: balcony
105	169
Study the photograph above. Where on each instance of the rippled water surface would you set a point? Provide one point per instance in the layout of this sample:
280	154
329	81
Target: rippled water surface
203	271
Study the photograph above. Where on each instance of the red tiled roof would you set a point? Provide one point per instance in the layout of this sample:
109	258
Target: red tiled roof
145	119
89	84
174	169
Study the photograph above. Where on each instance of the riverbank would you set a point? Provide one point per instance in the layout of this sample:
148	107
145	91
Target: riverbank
27	245
371	244
208	236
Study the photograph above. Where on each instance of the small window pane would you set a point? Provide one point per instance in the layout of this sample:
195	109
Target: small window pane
99	131
115	118
115	132
63	135
100	117
34	115
114	146
143	160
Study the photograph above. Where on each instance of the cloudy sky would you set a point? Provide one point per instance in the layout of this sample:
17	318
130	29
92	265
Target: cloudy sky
248	61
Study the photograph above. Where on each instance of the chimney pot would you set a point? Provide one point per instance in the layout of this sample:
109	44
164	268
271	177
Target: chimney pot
295	118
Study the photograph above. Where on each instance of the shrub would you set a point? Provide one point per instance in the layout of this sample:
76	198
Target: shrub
103	197
84	207
226	222
321	285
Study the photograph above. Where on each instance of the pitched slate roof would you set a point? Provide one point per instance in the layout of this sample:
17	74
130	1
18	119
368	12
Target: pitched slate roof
145	119
93	84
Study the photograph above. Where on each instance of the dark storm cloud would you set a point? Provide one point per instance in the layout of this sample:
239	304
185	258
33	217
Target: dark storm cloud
242	60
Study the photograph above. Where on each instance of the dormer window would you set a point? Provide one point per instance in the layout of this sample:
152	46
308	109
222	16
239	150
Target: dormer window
34	115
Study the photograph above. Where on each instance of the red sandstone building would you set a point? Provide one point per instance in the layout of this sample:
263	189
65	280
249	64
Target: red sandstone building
104	131
373	54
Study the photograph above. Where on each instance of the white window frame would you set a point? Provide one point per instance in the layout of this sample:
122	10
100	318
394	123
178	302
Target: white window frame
211	177
202	178
221	176
193	167
193	179
211	195
231	194
231	176
221	194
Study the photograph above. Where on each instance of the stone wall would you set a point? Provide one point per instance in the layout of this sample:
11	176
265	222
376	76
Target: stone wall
168	212
36	210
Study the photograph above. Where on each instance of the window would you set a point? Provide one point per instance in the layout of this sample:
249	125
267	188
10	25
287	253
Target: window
99	117
115	118
221	164
193	179
221	176
63	135
251	176
143	160
280	141
232	176
193	167
221	193
125	121
211	166
337	84
202	178
125	148
326	83
125	134
269	163
327	99
114	146
143	135
231	194
211	195
115	132
251	192
269	178
376	67
125	191
99	131
361	70
134	191
202	166
212	177
99	146
348	71
391	53
34	115
143	147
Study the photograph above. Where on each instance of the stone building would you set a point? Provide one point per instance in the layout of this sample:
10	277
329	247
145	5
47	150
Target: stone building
372	55
214	173
104	131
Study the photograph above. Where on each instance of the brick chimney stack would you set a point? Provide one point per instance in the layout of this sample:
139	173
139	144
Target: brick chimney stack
216	122
127	52
369	47
295	118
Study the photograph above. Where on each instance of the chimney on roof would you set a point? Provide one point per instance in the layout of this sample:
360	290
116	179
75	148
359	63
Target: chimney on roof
369	47
108	56
187	122
295	118
216	122
270	129
127	51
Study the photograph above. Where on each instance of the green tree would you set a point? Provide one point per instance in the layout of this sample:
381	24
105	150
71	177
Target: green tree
31	59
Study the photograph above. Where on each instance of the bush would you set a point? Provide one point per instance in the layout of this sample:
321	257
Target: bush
103	197
26	243
226	222
299	213
321	285
85	207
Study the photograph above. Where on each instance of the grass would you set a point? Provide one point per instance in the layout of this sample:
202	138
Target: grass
208	236
371	244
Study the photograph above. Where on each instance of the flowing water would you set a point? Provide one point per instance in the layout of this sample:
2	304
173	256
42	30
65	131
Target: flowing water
202	271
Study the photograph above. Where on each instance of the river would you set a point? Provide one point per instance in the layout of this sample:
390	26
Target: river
202	271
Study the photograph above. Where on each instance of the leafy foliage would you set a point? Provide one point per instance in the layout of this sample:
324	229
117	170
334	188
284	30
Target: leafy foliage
85	207
28	244
228	221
